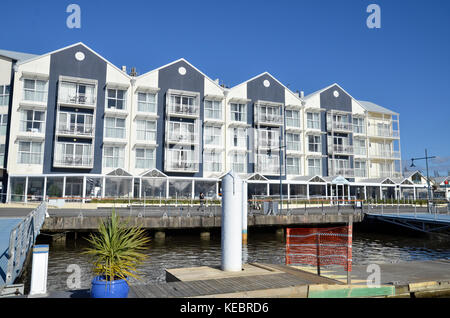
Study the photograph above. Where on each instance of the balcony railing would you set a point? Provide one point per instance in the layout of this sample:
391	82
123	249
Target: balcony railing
340	149
389	174
385	133
184	110
78	161
182	165
385	154
359	151
177	137
345	172
340	126
268	166
271	119
76	130
78	99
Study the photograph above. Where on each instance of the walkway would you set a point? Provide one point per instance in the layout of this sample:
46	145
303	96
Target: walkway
6	226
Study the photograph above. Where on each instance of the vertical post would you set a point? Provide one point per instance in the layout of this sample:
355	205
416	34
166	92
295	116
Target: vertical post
39	270
349	249
244	212
44	191
231	240
428	184
83	195
318	251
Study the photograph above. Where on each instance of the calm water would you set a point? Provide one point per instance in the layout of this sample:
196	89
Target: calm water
189	250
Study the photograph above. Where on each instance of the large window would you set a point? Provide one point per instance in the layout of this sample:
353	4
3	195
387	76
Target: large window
239	137
73	154
269	138
293	165
32	121
313	120
269	114
147	102
146	130
293	118
314	167
213	135
145	158
293	142
182	132
358	125
76	123
30	152
238	161
114	127
2	154
35	90
77	93
212	161
360	147
113	157
360	169
3	124
181	104
213	109
314	143
116	98
4	95
238	112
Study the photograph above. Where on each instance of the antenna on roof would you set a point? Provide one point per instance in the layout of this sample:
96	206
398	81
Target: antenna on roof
133	72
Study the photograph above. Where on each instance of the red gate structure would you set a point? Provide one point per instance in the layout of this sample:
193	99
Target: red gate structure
320	247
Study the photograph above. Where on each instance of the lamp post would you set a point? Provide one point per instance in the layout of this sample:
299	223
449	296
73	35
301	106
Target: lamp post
428	178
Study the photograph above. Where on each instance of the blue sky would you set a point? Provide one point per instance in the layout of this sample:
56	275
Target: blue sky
307	45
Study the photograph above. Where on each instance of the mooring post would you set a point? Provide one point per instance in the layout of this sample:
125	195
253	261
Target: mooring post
244	212
39	270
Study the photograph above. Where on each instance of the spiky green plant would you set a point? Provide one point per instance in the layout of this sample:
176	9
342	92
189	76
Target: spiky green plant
117	249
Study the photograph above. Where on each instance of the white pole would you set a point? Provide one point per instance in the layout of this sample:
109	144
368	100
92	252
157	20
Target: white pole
244	212
39	270
231	222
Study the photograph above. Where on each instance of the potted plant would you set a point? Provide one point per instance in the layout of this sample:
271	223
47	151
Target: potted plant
117	251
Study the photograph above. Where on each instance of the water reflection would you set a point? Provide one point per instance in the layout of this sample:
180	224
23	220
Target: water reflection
187	251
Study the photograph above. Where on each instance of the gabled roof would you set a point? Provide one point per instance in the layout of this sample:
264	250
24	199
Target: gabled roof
69	46
328	87
440	180
336	180
315	178
188	63
119	172
17	56
153	173
276	80
371	107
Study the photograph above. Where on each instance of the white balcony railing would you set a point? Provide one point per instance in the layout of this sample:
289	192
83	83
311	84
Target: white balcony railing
77	99
385	133
359	151
182	165
270	119
267	165
340	149
345	172
340	126
177	137
385	154
78	161
184	110
86	130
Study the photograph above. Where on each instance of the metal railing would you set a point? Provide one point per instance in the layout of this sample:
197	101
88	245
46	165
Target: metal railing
21	240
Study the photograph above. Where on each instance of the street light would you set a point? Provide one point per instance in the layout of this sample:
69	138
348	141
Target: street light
428	178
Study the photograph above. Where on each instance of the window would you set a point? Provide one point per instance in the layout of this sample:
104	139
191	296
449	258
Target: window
2	154
360	169
314	143
30	152
32	121
76	123
182	132
358	125
113	157
4	95
213	135
239	137
114	127
314	167
293	118
145	158
116	99
182	159
268	163
238	162
268	138
360	147
313	121
74	154
77	93
3	124
293	142
35	90
269	114
238	112
212	161
147	102
181	104
146	130
293	165
213	109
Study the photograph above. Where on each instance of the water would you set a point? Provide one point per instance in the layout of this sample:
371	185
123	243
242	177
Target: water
265	247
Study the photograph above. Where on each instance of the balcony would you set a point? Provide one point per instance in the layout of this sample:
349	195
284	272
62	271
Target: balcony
392	155
76	130
78	100
345	172
176	137
339	126
268	165
340	149
269	119
188	111
181	166
181	160
383	133
359	151
73	161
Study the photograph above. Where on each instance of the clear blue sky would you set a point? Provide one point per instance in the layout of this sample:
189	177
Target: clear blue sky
404	66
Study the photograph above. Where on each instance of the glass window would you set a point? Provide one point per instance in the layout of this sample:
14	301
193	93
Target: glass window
2	155
213	135
360	169
35	90
73	154
314	167
75	123
238	112
313	121
145	158
4	95
293	165
116	98
358	125
238	161
77	93
30	152
238	137
146	130
213	109
212	161
113	157
293	142
314	144
182	132
147	102
293	118
114	127
32	121
3	124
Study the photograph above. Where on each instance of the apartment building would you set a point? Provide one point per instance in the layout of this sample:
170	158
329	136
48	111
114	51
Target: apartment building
80	127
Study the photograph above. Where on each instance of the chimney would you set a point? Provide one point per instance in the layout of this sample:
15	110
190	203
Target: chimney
133	72
124	69
302	94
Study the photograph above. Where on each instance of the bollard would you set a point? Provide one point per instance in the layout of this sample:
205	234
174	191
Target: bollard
231	240
244	212
39	270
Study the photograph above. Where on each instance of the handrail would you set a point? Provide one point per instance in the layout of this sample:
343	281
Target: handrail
21	240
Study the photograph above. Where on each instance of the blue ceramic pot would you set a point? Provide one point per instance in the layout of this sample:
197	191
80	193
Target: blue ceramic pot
101	288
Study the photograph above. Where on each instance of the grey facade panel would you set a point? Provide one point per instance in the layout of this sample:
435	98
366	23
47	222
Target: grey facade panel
329	102
92	67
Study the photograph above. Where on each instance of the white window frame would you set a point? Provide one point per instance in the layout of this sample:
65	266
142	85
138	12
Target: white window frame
291	142
314	121
34	92
148	132
359	171
35	158
359	125
269	138
147	105
315	144
290	166
115	128
87	125
69	92
316	168
212	161
3	124
116	99
213	135
148	161
238	137
86	156
213	109
238	160
116	160
240	112
4	95
291	118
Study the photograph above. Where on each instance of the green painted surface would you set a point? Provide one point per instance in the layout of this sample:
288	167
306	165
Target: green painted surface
353	292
